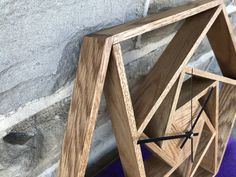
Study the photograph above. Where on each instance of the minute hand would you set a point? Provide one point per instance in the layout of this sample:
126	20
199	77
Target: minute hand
164	138
198	116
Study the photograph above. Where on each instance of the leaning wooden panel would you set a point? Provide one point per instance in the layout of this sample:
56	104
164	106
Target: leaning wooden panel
120	107
222	40
156	85
90	78
137	27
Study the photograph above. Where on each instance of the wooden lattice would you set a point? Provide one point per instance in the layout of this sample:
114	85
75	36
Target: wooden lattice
160	103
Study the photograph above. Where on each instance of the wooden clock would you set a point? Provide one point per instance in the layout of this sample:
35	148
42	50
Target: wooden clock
183	115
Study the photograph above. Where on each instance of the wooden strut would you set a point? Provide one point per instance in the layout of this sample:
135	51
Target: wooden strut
137	116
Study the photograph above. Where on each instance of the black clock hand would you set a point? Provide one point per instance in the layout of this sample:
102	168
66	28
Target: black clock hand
198	116
203	106
192	155
165	138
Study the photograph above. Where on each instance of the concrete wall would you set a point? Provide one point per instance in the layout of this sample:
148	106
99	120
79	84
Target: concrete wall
39	48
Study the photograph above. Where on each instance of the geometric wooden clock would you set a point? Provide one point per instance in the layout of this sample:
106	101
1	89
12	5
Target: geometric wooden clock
184	121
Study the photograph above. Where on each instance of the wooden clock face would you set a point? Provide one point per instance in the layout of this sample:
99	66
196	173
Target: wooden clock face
197	106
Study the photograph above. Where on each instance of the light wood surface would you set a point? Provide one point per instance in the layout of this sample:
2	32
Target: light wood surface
200	88
201	172
222	40
156	168
122	116
159	152
204	74
137	27
161	118
150	95
211	113
205	142
227	113
90	78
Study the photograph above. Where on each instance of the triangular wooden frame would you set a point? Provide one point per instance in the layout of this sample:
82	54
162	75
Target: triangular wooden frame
101	60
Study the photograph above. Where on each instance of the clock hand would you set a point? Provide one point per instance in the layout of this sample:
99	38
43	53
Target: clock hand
165	138
198	116
192	156
203	106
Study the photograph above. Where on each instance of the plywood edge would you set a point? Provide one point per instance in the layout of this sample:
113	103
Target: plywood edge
158	151
120	107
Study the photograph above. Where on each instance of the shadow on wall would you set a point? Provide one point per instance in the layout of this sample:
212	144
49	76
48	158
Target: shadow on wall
70	56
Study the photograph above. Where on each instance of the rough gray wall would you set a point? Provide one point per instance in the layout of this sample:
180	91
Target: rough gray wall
40	41
39	48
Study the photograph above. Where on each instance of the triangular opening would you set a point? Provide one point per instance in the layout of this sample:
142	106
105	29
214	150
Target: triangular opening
187	167
149	92
154	165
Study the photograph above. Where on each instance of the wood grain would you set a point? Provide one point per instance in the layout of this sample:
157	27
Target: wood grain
150	95
227	115
141	26
161	118
156	168
205	141
122	116
157	151
200	88
202	173
208	75
222	40
161	101
85	102
211	114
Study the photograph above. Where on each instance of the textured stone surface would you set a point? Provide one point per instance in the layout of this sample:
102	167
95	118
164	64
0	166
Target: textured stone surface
40	41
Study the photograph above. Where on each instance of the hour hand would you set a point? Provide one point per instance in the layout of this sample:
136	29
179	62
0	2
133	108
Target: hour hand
165	138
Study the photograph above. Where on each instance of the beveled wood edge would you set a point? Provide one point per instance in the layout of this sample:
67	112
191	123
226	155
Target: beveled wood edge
137	27
130	152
